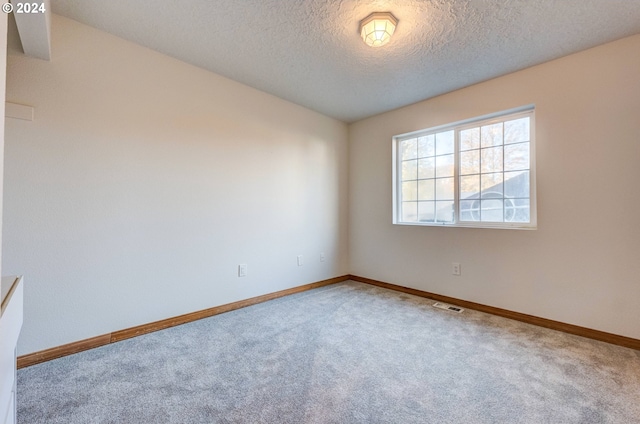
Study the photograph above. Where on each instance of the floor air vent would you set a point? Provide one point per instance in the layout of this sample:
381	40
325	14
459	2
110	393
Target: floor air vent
448	307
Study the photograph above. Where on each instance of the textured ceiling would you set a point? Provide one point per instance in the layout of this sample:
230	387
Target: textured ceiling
309	51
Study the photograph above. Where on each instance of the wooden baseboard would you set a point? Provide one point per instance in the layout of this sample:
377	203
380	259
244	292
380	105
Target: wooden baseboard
79	346
529	319
64	350
193	316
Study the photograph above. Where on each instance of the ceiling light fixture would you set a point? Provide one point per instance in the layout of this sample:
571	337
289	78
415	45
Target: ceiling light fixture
376	29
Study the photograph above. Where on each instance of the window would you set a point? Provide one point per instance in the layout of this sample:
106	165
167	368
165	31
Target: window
475	173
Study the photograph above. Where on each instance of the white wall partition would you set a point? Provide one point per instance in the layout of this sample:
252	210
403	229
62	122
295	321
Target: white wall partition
143	182
581	265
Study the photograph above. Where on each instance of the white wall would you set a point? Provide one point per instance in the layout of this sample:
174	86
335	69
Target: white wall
582	264
143	182
3	73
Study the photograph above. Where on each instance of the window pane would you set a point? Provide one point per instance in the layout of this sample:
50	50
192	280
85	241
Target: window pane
522	210
470	139
409	211
426	146
470	210
491	135
444	189
410	190
516	184
426	168
470	186
444	166
409	170
426	211
516	131
491	185
444	211
492	159
470	162
409	149
491	210
427	190
516	157
444	143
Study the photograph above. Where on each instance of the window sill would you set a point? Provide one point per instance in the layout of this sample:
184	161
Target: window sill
486	225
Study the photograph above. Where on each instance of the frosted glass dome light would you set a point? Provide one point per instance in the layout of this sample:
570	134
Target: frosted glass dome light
376	29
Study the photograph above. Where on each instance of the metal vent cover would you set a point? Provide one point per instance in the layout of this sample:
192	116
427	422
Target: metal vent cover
448	307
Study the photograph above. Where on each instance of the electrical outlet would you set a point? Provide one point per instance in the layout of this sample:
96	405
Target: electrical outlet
455	268
299	260
242	270
322	257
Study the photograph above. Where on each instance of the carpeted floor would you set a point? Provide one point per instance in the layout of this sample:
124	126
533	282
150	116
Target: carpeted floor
346	353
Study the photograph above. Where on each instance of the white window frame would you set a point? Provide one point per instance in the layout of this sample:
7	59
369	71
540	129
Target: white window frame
458	126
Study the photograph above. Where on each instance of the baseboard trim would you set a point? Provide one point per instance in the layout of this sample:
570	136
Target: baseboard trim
93	342
529	319
86	344
194	316
64	350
